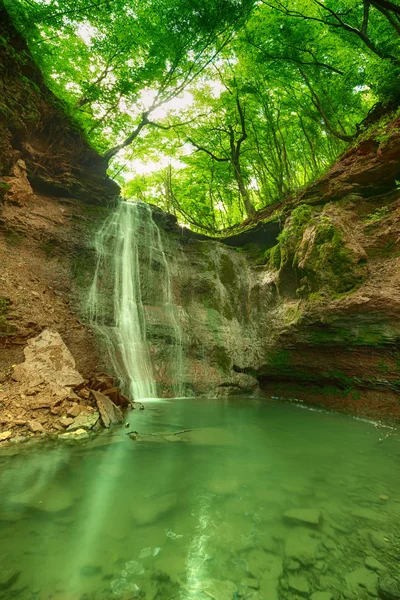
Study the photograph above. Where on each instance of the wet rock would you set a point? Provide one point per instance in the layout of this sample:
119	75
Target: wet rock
303	516
78	434
389	589
109	413
362	579
302	546
321	596
5	435
35	426
48	360
154	509
84	422
299	584
374	565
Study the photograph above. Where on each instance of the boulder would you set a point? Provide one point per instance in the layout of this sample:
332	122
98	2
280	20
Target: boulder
109	413
48	360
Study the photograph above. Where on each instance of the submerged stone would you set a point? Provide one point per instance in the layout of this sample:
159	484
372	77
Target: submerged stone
363	579
321	596
303	516
154	508
301	546
264	565
374	565
389	589
8	579
299	584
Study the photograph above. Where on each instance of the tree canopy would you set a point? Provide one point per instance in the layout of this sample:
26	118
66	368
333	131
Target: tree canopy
237	102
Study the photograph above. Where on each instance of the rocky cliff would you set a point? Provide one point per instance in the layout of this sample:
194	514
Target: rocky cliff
312	312
302	303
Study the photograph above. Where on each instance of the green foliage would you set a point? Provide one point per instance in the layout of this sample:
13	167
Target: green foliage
378	215
274	92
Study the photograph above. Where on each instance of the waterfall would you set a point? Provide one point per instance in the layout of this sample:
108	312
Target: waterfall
132	292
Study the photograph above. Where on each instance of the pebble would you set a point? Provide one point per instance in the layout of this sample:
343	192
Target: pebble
383	497
5	435
66	421
292	565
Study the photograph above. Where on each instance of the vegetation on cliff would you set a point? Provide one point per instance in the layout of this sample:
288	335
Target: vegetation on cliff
224	107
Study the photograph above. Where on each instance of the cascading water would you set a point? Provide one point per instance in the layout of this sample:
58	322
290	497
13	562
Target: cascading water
133	275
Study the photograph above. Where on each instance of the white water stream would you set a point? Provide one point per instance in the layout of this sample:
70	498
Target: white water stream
132	273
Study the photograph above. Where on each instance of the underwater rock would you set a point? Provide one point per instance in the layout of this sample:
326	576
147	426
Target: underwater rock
110	414
299	584
220	590
8	579
374	565
378	540
321	596
155	508
362	579
302	546
264	565
389	589
303	516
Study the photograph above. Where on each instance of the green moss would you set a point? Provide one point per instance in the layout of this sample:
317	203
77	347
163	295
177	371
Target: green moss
378	215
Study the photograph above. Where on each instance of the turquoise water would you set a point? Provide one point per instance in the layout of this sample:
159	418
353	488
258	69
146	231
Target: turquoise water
204	513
